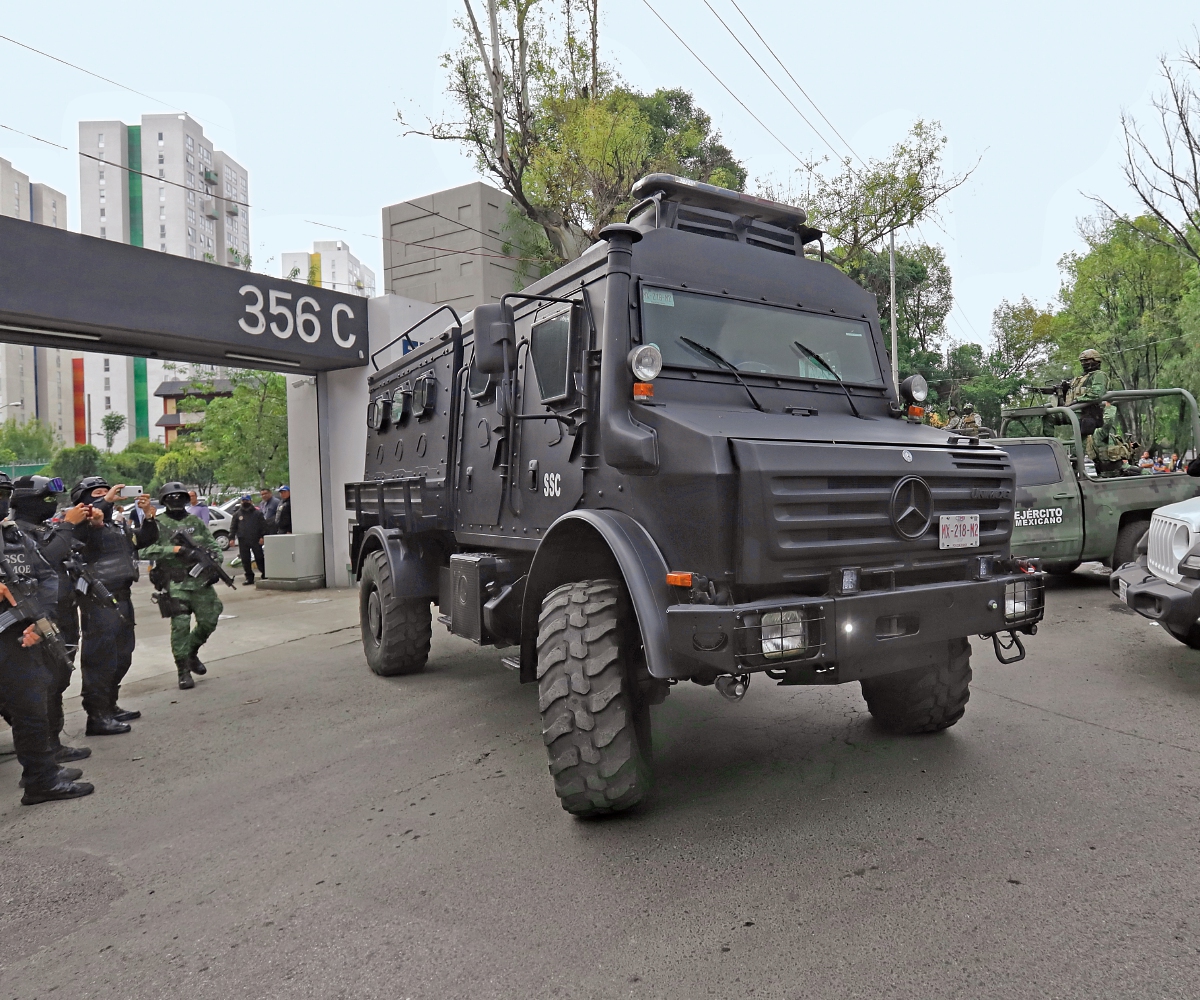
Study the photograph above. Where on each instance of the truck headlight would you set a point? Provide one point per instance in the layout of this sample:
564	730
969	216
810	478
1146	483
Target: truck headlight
1023	600
646	362
784	634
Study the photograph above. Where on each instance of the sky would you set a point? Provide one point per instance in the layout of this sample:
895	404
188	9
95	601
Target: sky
306	96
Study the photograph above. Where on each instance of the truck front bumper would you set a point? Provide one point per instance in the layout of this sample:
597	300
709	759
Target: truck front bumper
1175	606
848	637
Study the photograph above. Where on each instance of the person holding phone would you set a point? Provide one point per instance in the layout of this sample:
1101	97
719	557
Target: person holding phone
110	551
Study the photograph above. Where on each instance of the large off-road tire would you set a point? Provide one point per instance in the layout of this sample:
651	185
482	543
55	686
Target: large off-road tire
595	721
1125	551
395	631
925	700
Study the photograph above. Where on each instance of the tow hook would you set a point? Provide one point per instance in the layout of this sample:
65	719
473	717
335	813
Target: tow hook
1001	647
733	686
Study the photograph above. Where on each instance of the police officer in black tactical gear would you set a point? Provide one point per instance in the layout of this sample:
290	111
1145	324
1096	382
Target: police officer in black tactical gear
34	502
110	552
25	679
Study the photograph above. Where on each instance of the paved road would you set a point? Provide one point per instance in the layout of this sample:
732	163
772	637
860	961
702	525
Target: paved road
296	827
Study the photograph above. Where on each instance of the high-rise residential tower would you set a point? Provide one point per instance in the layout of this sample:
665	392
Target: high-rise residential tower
331	265
161	185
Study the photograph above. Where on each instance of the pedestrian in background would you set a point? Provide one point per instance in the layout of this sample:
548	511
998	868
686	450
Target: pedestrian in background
269	506
283	516
196	508
249	527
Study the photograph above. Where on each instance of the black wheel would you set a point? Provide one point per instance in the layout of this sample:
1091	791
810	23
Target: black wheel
595	722
1125	551
222	540
1061	569
395	631
925	700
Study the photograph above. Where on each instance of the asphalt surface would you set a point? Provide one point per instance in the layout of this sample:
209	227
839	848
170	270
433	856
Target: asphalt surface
296	827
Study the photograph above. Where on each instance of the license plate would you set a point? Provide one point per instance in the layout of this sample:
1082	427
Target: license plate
1123	586
959	531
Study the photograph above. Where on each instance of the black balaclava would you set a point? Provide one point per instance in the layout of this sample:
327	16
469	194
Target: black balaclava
176	504
33	498
5	496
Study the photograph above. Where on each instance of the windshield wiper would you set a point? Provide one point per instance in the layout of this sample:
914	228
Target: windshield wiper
808	353
736	374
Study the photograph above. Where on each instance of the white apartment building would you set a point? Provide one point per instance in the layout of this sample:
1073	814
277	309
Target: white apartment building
331	265
161	185
35	382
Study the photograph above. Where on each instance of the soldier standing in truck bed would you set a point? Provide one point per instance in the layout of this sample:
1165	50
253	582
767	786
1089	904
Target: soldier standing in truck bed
970	422
1087	390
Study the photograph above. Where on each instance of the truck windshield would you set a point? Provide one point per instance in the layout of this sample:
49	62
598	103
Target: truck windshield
755	338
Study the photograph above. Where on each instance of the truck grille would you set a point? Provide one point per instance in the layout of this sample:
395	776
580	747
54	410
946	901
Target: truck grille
802	525
1169	541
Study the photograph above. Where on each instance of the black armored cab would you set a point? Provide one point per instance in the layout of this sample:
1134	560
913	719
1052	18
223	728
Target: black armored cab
681	458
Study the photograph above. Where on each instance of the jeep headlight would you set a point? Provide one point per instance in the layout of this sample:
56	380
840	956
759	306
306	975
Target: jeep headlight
784	634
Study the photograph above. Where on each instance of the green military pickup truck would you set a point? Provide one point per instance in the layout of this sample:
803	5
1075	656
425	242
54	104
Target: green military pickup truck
1065	513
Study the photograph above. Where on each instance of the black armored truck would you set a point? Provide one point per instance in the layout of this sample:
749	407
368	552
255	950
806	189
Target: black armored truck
681	458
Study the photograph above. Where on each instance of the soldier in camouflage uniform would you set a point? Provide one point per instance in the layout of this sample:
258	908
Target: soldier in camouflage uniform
1108	450
192	597
952	418
970	423
1086	391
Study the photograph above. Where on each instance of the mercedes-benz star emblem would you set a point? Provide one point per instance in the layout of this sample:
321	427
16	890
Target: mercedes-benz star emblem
906	455
911	507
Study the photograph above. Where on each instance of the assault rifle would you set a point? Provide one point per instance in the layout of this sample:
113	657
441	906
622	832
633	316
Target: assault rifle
87	584
205	567
1059	390
28	611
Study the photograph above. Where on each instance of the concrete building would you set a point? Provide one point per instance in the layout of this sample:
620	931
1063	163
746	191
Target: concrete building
181	415
331	265
161	185
448	247
35	382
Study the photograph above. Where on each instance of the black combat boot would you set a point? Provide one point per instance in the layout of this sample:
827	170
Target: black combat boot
197	666
64	753
185	674
122	715
106	725
59	788
64	774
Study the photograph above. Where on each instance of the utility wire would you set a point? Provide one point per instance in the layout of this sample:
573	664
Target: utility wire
795	81
121	166
122	86
725	86
771	80
444	251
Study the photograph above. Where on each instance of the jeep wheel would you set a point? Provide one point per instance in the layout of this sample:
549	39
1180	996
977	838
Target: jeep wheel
395	631
1128	537
595	724
925	700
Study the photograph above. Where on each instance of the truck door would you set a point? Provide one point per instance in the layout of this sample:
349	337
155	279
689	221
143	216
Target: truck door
1047	517
549	477
480	489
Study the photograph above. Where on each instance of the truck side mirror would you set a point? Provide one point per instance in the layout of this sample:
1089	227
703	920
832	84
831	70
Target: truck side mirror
1193	468
495	337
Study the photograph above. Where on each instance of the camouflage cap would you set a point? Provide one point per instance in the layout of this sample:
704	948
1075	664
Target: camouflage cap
1091	354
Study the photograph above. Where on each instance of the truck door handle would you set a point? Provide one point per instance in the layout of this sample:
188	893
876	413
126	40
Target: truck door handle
1062	496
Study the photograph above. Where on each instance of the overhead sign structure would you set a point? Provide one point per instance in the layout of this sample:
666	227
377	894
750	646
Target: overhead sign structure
61	289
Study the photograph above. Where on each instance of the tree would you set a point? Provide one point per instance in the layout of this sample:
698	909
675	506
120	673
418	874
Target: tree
72	464
31	441
113	423
1165	173
550	123
135	464
190	462
247	432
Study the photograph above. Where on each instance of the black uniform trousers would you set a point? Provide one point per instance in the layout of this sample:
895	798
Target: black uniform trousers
25	683
246	550
66	617
106	652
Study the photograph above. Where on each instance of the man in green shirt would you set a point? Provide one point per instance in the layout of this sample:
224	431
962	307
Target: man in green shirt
1086	391
188	595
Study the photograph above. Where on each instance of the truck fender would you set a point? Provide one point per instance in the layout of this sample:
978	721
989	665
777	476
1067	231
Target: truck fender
414	572
585	543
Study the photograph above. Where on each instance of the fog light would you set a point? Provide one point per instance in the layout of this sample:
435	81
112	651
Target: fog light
1023	600
848	627
849	581
784	634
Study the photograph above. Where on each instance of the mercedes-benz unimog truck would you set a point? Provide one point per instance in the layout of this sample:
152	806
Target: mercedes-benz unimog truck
681	458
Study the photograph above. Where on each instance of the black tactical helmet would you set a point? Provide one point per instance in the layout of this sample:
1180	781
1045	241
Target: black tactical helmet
34	497
82	491
6	484
173	496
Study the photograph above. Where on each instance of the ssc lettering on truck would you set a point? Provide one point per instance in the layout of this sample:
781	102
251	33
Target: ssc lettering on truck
1035	516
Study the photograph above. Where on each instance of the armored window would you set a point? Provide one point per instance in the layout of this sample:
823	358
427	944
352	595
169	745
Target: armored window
550	349
1035	464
